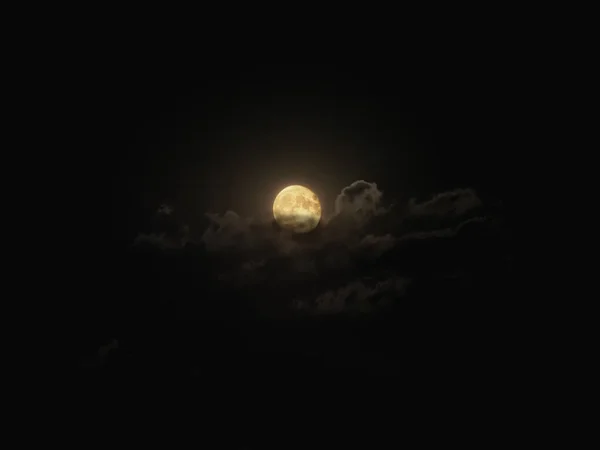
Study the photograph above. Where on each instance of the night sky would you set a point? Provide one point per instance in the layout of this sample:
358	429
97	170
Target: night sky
187	277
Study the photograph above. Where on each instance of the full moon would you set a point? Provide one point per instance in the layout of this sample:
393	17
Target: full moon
297	209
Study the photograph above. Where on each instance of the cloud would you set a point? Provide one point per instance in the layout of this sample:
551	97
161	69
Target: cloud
444	232
231	233
360	200
354	206
448	204
362	295
165	209
375	246
253	265
333	268
226	231
164	232
165	240
100	357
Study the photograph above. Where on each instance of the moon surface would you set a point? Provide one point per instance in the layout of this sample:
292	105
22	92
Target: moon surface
297	208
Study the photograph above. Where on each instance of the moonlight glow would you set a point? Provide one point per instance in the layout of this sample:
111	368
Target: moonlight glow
297	208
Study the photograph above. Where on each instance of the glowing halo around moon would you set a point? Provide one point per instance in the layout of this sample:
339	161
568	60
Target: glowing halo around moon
297	208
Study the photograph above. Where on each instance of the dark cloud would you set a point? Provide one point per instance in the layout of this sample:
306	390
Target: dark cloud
444	232
227	231
448	204
358	202
444	210
165	209
359	260
163	240
363	295
165	231
375	246
98	359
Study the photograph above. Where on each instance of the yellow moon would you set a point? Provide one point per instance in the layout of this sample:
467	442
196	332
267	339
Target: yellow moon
297	208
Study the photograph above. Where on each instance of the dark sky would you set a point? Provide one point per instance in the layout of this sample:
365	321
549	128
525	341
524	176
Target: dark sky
228	136
426	236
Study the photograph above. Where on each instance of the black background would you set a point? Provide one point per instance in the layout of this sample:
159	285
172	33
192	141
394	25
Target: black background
212	134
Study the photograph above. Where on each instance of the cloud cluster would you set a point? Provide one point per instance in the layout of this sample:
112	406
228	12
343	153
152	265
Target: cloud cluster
99	358
447	204
360	201
360	259
227	231
361	296
165	232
